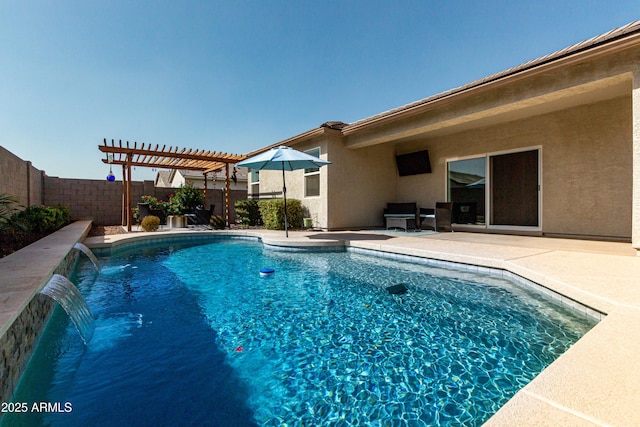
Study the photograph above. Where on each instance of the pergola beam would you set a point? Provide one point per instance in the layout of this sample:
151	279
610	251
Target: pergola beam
157	164
171	158
188	155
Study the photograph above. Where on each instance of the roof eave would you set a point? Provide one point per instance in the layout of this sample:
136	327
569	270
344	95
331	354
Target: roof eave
484	85
305	136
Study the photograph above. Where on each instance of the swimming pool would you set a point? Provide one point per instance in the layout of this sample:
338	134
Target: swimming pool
192	335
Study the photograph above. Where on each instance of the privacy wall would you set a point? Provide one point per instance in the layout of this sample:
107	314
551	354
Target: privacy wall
99	201
20	179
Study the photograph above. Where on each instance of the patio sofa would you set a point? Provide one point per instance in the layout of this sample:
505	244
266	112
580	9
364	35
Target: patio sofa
401	215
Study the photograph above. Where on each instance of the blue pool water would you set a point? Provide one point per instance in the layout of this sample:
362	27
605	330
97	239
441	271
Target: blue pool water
193	335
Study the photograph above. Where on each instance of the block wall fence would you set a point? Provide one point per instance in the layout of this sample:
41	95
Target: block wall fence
97	200
20	179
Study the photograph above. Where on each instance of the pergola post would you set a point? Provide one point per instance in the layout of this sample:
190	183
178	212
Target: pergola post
124	195
227	202
206	195
129	212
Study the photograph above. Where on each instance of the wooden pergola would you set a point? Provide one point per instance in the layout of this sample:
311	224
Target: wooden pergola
146	155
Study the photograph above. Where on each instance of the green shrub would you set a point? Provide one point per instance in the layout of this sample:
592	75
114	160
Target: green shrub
248	213
150	223
272	212
24	227
217	222
65	213
40	219
8	205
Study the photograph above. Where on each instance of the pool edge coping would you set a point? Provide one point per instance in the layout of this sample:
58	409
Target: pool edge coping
22	311
51	250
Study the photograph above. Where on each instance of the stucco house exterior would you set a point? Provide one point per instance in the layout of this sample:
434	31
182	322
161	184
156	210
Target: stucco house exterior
550	147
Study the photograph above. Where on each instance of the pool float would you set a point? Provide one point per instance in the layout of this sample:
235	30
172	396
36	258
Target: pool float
266	271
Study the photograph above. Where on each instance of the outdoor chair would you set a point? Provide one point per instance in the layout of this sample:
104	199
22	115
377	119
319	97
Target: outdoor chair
203	216
143	211
465	213
438	218
427	217
160	214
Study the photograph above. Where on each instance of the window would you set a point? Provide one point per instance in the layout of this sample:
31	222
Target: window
255	183
312	177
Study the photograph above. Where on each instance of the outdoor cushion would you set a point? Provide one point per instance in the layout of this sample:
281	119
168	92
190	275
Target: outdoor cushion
406	209
400	215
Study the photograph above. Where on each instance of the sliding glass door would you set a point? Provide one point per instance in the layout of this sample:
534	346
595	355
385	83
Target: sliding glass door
466	182
514	189
496	189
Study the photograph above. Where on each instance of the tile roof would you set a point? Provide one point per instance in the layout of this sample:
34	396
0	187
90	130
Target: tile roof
163	178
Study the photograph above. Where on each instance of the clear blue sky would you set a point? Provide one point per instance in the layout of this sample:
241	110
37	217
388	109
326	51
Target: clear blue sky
234	76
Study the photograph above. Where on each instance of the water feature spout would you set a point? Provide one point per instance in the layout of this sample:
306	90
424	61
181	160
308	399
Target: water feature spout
63	291
85	250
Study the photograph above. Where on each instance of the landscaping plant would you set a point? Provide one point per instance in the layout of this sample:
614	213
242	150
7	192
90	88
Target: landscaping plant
21	228
150	223
248	212
217	222
8	205
40	219
272	212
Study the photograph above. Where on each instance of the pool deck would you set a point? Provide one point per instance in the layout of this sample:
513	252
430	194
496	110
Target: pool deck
596	382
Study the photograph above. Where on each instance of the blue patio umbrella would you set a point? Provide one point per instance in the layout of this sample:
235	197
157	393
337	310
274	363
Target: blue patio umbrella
285	159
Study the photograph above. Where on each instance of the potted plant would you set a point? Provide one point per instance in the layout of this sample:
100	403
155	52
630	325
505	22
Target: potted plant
156	206
175	212
187	197
185	200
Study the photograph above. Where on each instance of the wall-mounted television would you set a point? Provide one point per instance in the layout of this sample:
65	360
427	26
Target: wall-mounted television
413	163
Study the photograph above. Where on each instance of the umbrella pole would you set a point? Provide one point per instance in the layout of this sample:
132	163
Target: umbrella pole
284	193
